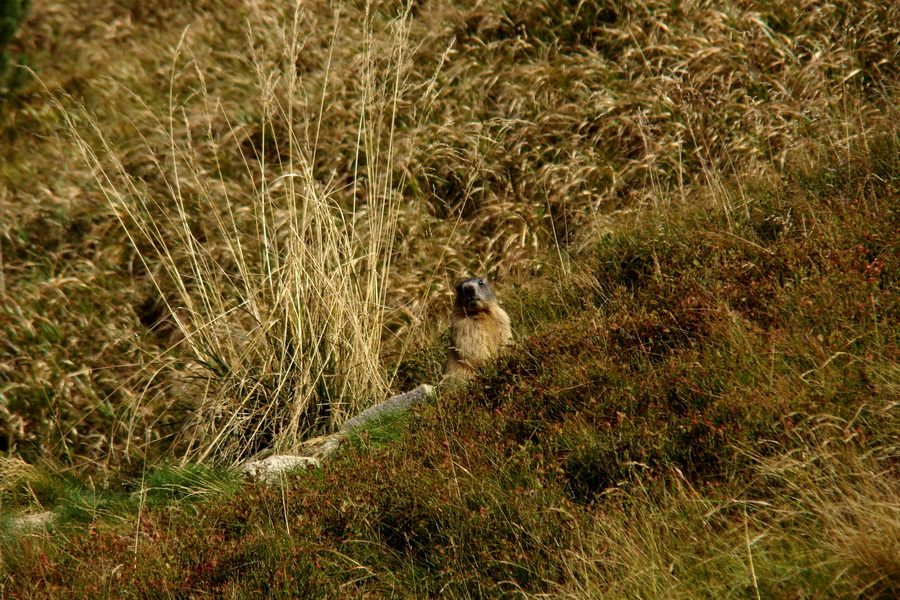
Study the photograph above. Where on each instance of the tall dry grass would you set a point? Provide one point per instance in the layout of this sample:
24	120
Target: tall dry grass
278	292
822	518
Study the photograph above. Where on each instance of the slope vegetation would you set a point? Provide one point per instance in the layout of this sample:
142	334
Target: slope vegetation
226	227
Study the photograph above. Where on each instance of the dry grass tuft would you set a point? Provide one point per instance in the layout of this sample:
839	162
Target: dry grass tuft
279	293
820	518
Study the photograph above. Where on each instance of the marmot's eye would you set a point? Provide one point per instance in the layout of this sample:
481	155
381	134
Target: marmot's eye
481	282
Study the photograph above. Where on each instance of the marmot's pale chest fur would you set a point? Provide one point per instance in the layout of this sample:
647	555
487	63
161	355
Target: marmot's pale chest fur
479	329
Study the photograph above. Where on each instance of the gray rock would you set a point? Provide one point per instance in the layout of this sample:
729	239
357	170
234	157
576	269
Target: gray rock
269	469
391	406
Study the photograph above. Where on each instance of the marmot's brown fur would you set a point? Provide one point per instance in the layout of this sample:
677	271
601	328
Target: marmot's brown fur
479	329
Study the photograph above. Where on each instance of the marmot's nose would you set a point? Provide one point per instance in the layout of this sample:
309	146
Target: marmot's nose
469	290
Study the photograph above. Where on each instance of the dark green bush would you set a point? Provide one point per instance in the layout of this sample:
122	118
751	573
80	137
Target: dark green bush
12	13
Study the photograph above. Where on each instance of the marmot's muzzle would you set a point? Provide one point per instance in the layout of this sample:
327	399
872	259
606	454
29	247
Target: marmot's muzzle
470	295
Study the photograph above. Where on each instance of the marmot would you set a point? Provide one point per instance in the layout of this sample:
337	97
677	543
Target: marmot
479	329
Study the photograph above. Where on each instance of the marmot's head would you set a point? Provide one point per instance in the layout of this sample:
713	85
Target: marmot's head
473	295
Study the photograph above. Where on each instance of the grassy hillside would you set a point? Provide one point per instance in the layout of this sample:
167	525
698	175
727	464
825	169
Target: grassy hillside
226	227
